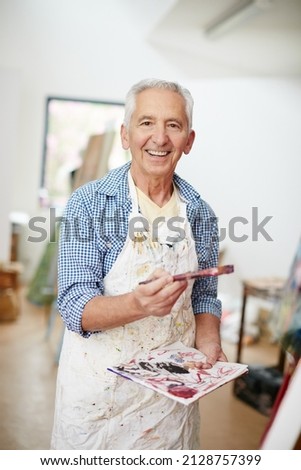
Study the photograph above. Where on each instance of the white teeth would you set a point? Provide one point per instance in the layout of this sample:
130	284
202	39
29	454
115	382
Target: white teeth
156	153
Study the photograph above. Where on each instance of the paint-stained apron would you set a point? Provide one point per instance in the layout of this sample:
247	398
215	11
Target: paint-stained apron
96	409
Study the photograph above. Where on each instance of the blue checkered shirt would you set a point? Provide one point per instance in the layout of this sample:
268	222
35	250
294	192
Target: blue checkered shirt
94	229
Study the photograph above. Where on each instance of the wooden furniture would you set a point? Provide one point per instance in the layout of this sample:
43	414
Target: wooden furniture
9	291
260	387
264	288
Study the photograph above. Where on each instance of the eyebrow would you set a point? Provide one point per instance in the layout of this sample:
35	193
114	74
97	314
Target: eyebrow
150	118
145	116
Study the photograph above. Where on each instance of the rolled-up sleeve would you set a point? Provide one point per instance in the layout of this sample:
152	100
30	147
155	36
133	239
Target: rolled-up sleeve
205	230
80	263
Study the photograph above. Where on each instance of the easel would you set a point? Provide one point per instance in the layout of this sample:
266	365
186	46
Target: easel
285	429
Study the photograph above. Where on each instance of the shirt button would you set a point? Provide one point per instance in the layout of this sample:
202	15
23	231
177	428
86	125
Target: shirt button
109	245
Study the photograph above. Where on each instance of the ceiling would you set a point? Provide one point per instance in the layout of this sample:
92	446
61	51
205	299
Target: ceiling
265	44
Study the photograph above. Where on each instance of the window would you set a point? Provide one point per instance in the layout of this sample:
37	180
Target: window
70	124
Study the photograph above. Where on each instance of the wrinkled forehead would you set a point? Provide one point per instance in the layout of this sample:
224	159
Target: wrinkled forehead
160	104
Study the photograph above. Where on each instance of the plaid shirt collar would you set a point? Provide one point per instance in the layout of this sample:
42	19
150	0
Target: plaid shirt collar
115	184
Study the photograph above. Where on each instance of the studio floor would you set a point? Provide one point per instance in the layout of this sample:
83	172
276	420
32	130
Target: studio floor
28	374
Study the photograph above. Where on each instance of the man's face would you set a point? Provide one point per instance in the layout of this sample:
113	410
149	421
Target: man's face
158	133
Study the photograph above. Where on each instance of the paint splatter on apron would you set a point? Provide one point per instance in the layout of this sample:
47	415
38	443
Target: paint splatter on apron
95	409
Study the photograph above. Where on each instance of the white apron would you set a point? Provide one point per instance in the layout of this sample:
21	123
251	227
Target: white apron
96	409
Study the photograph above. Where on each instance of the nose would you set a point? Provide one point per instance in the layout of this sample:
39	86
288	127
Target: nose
160	136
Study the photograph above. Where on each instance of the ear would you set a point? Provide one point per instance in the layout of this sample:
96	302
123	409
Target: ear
124	137
189	143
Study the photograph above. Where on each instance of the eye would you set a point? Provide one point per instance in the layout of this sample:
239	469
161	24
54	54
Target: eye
174	125
145	123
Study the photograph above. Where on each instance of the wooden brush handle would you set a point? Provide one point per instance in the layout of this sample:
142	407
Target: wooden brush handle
227	269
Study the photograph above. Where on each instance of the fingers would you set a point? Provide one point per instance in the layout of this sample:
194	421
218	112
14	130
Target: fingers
194	365
223	357
207	365
158	296
161	279
213	353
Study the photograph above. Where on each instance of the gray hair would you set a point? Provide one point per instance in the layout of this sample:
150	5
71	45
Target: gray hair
130	100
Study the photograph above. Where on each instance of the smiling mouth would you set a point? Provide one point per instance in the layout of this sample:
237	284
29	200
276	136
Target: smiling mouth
157	153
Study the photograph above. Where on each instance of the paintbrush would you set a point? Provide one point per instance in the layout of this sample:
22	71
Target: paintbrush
227	269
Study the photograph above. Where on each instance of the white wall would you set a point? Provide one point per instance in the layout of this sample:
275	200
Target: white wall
248	132
71	48
248	154
9	111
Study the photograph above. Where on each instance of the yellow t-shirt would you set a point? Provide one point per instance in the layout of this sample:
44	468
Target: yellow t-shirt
151	211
